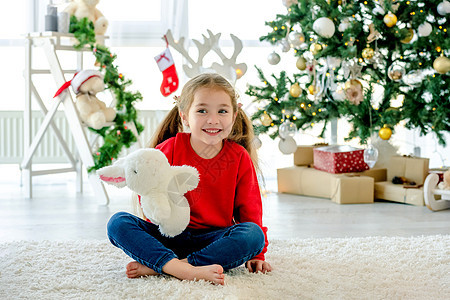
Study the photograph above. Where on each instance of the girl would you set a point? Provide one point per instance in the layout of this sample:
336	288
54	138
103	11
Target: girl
225	228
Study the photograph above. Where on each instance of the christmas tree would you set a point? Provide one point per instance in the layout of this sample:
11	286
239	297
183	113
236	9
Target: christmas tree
375	63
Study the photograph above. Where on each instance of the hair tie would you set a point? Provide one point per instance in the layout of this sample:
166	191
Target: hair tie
175	98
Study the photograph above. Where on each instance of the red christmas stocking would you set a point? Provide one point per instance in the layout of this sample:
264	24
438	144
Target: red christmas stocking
170	77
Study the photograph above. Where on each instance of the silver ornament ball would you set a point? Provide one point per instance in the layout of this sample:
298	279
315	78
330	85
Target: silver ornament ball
273	58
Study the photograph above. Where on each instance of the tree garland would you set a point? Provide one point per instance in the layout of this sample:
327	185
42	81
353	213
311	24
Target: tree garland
118	135
425	105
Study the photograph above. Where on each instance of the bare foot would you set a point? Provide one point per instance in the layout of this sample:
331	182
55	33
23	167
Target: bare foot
135	269
185	271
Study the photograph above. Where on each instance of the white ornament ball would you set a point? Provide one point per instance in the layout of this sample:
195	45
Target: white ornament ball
443	8
287	129
273	58
324	27
284	45
425	29
287	145
257	142
296	38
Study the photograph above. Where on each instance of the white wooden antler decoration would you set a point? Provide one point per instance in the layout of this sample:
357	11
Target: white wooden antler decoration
229	68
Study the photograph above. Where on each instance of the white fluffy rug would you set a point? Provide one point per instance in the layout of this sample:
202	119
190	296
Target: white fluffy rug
351	268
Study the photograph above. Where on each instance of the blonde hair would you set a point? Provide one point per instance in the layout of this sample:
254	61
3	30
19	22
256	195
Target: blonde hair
241	133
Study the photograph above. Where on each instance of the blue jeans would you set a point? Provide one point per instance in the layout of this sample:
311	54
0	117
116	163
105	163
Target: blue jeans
229	247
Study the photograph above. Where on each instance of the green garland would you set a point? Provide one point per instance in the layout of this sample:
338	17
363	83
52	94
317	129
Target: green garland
426	107
117	136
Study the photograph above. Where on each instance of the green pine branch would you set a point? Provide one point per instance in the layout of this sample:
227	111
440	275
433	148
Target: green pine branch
118	135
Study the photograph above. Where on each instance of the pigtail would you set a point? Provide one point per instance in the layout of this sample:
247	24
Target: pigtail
168	128
242	134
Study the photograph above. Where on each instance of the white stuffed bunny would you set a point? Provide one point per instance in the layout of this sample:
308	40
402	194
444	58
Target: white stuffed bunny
161	187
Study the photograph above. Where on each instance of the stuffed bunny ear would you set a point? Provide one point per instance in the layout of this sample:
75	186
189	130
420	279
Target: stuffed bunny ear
114	175
185	178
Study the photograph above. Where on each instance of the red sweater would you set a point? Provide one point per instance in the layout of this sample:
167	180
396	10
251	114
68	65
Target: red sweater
228	192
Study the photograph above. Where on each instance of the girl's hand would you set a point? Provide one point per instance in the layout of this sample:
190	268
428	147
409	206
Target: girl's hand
256	265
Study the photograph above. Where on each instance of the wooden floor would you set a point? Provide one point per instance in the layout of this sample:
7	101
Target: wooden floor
57	212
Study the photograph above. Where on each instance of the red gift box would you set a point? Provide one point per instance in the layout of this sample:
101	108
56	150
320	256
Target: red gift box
339	159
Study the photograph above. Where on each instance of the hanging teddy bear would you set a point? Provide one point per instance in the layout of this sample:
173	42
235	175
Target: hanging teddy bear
93	112
86	9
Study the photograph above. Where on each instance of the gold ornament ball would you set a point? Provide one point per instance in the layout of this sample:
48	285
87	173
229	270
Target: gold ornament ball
441	64
312	89
266	120
408	37
295	90
315	48
385	133
301	63
390	19
368	53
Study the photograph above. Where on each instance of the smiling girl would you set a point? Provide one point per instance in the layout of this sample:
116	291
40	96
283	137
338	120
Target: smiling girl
225	229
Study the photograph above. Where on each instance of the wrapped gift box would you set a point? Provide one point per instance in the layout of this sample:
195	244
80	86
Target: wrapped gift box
304	156
353	189
339	188
339	159
394	192
413	169
378	174
305	181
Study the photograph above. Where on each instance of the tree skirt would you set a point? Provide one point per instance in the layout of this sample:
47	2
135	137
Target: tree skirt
349	268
